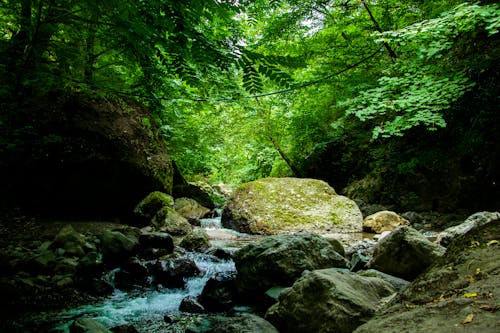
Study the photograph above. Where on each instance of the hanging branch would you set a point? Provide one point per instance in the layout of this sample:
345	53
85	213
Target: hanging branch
379	29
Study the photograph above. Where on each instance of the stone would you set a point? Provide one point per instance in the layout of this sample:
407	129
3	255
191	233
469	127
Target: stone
116	247
171	273
383	221
280	259
245	323
274	205
190	208
397	283
157	240
147	208
190	304
328	300
463	284
167	219
196	241
405	253
71	241
87	325
219	293
125	328
472	222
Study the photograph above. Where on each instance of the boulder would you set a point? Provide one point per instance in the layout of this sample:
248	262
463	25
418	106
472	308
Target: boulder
71	241
167	219
328	300
383	221
125	328
87	325
157	240
190	304
147	208
86	155
190	208
196	241
274	205
280	259
116	247
405	253
472	222
245	323
171	273
219	292
397	283
458	293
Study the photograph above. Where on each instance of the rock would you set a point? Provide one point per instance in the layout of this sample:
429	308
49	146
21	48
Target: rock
220	253
358	261
245	323
42	262
397	283
71	241
472	222
126	328
132	273
157	240
196	241
328	300
191	305
147	208
383	221
167	219
190	208
116	247
337	245
458	293
87	325
171	273
273	205
219	292
86	155
405	253
279	260
90	265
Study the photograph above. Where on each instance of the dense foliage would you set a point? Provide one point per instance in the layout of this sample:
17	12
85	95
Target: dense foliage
384	95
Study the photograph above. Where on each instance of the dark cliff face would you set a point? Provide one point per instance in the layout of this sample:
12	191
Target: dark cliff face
81	155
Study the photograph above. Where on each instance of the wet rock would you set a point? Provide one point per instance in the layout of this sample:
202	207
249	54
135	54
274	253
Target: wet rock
219	292
190	304
90	265
397	283
190	208
383	221
168	220
405	253
196	241
246	323
472	222
171	273
220	253
328	300
87	325
359	261
71	241
132	273
94	286
274	205
126	328
116	247
279	260
147	208
158	240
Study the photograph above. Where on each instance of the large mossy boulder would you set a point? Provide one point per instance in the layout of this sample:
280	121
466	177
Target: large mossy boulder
273	205
328	300
281	259
147	208
83	155
167	219
457	293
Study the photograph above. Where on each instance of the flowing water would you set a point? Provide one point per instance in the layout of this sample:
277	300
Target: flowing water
145	309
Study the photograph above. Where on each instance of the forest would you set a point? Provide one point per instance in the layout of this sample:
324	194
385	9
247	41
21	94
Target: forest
389	101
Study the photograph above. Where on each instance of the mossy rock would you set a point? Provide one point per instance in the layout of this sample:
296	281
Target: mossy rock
150	205
167	219
274	205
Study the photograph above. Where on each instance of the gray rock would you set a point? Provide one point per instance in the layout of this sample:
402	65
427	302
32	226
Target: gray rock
190	304
279	260
219	292
397	283
116	247
328	300
472	222
71	241
158	240
190	208
405	253
87	325
246	323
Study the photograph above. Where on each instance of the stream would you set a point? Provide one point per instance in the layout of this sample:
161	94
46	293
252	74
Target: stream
146	308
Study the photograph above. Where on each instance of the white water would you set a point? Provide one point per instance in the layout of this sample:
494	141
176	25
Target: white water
145	310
